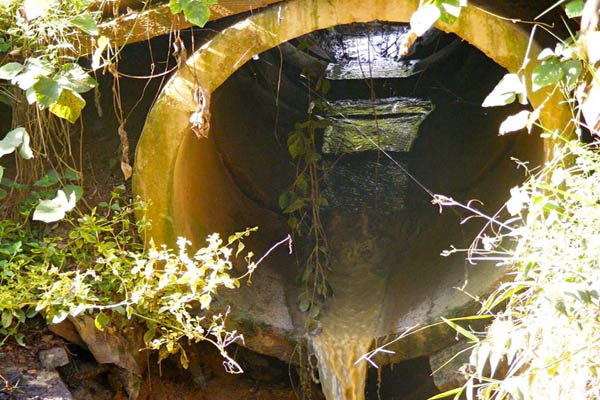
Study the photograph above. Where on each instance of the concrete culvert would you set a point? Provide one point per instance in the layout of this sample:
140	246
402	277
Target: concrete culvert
385	237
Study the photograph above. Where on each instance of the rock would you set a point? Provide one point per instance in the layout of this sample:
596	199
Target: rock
53	358
110	346
45	385
66	330
451	375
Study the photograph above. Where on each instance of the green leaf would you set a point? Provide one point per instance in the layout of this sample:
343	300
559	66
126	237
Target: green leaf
176	5
283	200
301	183
60	316
24	150
46	91
149	335
240	248
5	100
506	91
6	318
547	73
295	145
101	321
55	209
73	76
304	305
72	175
205	300
515	122
574	8
75	189
196	12
86	23
1	172
12	141
49	179
68	106
19	315
295	206
34	68
102	42
10	70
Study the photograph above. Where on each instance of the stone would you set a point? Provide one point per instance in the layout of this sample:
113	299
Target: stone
119	347
53	358
45	385
67	331
451	375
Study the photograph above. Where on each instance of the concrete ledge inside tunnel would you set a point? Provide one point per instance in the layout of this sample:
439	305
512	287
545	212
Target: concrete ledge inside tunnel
385	235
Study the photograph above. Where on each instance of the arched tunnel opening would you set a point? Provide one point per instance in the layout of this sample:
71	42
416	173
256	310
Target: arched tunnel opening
384	234
396	128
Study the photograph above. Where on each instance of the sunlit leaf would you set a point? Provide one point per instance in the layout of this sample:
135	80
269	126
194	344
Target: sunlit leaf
572	70
461	330
196	12
515	122
60	316
68	105
36	8
12	141
73	76
101	44
101	321
424	18
10	70
24	150
55	209
6	318
46	91
75	189
547	73
510	88
574	8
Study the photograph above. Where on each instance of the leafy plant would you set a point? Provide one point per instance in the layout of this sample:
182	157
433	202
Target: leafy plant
303	201
104	269
195	11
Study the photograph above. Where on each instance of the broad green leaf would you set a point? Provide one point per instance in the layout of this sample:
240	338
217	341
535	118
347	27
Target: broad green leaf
1	172
19	315
510	87
424	18
68	105
10	70
12	141
450	9
295	145
75	189
55	209
574	8
149	335
177	5
72	175
295	206
86	23
515	122
73	76
6	318
49	179
4	45
101	321
196	12
46	91
183	359
35	67
547	73
60	316
283	201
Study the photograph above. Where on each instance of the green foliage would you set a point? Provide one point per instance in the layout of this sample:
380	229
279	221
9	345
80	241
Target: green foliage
303	201
544	340
103	269
195	11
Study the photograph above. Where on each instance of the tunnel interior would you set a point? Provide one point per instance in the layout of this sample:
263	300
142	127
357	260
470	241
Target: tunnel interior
430	136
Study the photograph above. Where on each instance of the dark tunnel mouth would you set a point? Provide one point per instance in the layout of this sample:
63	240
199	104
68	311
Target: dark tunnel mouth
452	159
194	194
